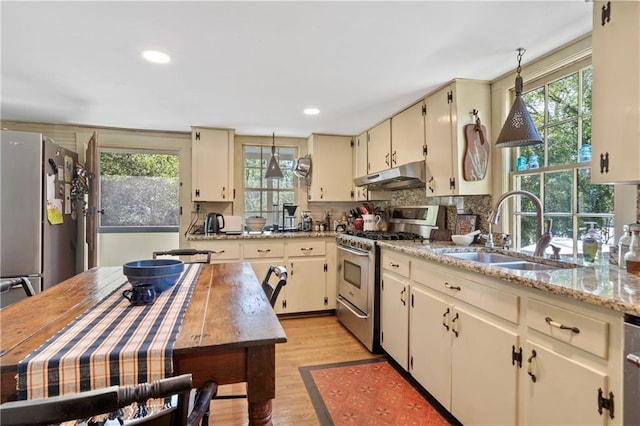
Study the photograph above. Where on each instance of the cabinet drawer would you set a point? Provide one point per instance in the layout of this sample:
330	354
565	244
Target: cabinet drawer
591	335
263	249
220	250
497	302
305	248
397	264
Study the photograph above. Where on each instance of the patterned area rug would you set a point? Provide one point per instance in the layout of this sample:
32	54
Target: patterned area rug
367	392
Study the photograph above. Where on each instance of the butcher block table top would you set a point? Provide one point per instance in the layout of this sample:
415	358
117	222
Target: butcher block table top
228	333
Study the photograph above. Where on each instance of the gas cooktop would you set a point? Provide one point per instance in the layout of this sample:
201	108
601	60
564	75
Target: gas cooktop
379	235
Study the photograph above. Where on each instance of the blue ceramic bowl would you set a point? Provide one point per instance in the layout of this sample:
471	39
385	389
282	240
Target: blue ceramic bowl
163	273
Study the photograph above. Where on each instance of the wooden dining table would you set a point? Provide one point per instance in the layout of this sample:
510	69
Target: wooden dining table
228	333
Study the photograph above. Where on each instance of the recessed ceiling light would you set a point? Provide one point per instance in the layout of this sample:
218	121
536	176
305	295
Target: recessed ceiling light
156	56
312	111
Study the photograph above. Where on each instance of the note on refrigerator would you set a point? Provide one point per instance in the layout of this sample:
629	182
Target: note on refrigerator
51	186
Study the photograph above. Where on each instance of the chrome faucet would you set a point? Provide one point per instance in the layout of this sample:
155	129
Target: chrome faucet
544	238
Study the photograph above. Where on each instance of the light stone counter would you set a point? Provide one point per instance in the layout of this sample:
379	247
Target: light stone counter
603	285
260	235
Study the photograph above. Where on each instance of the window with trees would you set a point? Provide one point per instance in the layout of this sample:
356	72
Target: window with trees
264	197
139	191
561	110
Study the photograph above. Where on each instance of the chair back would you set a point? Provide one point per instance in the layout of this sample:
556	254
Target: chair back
272	291
7	283
184	252
84	405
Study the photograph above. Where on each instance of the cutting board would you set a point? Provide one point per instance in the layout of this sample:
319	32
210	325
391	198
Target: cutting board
476	153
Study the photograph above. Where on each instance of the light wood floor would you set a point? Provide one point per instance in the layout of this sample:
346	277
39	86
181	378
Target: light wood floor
310	341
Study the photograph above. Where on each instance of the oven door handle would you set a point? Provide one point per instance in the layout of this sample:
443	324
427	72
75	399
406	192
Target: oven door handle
356	252
346	305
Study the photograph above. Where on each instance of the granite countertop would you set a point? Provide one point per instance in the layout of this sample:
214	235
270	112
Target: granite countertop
260	235
603	285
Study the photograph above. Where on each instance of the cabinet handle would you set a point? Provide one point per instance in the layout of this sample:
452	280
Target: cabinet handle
445	319
530	365
454	325
633	359
402	293
604	163
452	287
394	265
291	271
224	190
430	186
386	159
606	14
393	158
321	193
217	252
264	251
306	249
561	326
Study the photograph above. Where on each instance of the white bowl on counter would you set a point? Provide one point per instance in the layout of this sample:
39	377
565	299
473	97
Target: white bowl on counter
463	240
255	224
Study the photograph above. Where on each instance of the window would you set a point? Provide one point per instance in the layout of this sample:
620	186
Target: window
139	191
561	110
263	197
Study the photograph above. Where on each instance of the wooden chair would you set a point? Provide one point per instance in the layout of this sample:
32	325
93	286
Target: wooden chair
85	405
7	283
272	291
184	252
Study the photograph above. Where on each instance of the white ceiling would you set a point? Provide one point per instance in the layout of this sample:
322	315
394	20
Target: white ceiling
254	66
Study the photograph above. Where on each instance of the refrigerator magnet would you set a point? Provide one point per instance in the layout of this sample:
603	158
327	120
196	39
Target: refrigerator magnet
68	168
67	198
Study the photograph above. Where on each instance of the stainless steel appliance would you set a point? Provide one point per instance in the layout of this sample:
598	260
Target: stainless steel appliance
358	268
38	218
631	408
214	223
410	175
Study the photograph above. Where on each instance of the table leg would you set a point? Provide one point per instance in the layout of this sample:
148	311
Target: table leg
261	383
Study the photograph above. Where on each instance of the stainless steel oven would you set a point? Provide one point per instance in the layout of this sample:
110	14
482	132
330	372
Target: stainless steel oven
358	271
356	305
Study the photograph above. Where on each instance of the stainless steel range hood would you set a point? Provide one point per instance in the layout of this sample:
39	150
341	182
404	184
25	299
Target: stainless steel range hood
410	175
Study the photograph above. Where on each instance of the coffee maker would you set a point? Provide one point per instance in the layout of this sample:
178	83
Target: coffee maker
288	217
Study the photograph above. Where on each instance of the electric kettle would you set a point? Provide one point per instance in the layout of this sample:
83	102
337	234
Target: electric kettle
214	223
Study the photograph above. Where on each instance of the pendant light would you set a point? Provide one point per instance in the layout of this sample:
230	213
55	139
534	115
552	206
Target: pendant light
273	170
518	129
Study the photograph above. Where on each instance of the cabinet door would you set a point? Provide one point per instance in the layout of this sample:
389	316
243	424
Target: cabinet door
307	285
484	380
332	174
211	165
565	392
430	344
408	135
360	165
379	149
616	93
439	142
394	318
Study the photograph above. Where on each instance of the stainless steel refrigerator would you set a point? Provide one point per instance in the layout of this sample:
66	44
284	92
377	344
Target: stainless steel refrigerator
38	220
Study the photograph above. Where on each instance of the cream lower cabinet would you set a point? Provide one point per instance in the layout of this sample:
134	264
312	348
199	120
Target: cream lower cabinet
461	354
306	288
262	254
394	306
221	251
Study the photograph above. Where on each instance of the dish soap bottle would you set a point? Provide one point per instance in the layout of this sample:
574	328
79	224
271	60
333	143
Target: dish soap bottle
590	245
632	258
623	246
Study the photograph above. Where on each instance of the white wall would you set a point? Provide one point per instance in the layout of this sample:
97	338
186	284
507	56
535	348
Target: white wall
117	249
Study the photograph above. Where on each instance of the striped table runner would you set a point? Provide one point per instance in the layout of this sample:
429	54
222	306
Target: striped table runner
113	343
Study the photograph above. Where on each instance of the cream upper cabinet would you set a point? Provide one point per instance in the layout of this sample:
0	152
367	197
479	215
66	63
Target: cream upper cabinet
449	110
211	164
408	135
332	168
616	92
361	193
379	147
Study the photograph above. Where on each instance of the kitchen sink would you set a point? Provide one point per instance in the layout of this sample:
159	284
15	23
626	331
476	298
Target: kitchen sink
510	262
485	257
527	266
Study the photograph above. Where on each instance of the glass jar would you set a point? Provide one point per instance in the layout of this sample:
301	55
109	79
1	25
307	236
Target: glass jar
521	163
584	153
632	257
534	161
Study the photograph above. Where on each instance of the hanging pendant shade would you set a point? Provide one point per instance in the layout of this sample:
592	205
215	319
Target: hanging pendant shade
518	129
273	170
